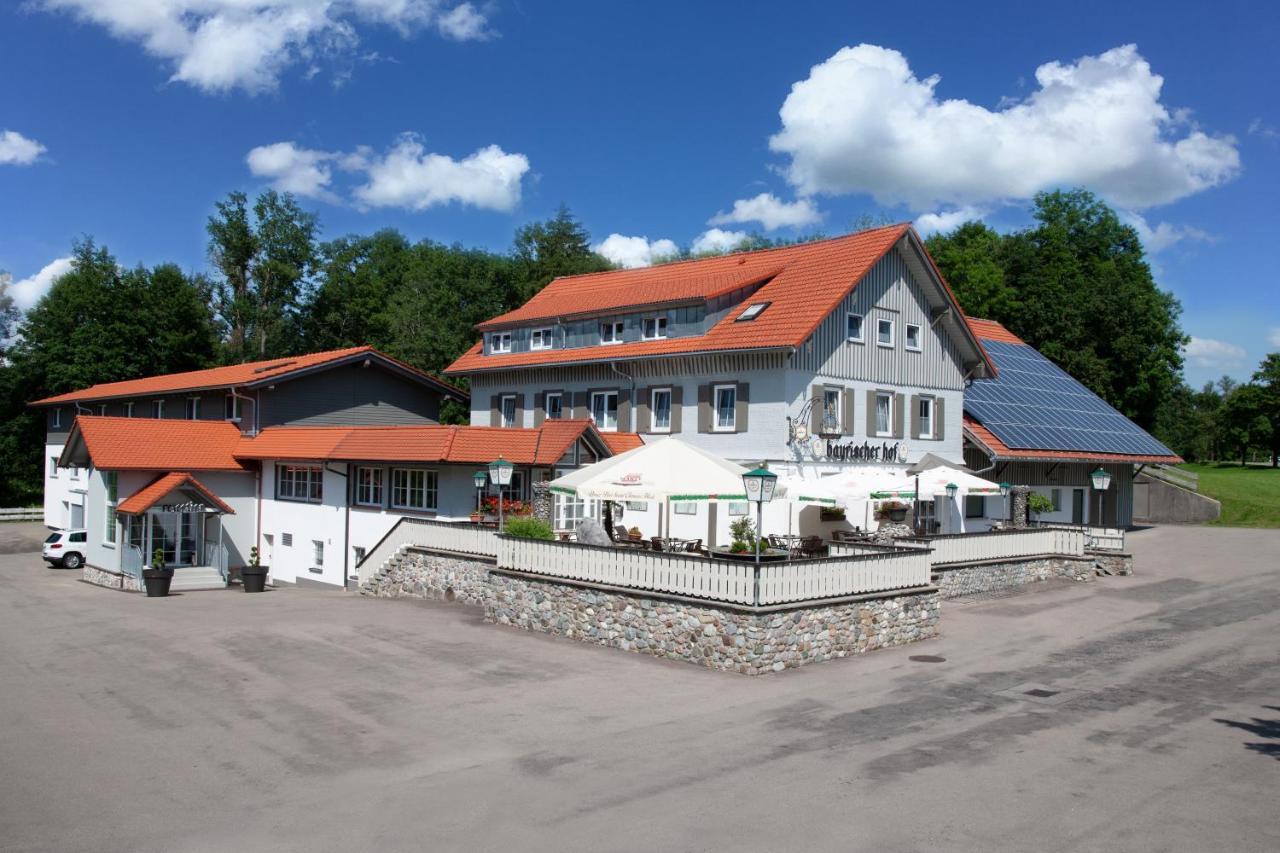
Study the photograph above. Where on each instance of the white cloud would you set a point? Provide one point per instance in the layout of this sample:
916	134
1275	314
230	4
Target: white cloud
221	45
1162	235
1273	337
291	169
1258	127
946	220
1206	352
864	122
408	176
631	252
770	211
717	240
27	292
18	150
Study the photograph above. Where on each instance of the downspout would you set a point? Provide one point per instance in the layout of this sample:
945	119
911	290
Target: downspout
631	410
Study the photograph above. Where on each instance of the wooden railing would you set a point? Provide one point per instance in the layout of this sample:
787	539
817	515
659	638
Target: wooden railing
949	549
453	537
732	581
1101	538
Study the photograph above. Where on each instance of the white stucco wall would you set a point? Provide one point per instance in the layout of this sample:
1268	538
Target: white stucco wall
61	490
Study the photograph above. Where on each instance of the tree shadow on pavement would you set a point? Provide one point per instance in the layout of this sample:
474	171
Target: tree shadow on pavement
1269	729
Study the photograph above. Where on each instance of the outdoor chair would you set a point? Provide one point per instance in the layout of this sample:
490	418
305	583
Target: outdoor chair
620	533
776	542
813	546
694	547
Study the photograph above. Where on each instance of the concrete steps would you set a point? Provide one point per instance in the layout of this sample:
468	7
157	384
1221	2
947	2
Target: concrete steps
196	578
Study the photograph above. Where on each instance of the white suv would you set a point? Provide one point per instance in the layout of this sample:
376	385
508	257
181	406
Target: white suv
65	548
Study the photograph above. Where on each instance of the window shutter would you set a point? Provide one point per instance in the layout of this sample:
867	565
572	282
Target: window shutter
644	420
495	410
871	414
704	408
677	401
624	411
899	401
815	412
539	408
939	419
518	420
847	416
915	416
742	408
581	401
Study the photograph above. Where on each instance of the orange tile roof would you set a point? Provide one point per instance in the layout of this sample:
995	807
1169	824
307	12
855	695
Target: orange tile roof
155	491
803	284
147	444
476	445
984	437
621	442
990	330
235	375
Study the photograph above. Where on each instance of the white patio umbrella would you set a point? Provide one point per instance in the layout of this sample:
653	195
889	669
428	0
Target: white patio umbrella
934	481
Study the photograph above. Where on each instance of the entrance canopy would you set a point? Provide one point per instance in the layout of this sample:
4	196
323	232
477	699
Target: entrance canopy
178	491
666	470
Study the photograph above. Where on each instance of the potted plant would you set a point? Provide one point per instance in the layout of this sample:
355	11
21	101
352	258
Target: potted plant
1038	503
635	534
253	577
477	516
156	577
895	511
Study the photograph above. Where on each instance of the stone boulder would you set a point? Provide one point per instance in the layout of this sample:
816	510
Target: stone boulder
592	532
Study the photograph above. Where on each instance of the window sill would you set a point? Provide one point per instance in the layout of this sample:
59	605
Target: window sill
914	349
883	345
416	511
316	501
854	341
611	343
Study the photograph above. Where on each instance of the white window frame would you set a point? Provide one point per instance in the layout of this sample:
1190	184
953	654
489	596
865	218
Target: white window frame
102	410
716	426
75	472
157	409
684	507
128	409
968	501
53	467
920	417
605	427
373	492
507	422
659	322
839	413
546	406
738	507
111	497
500	342
862	328
317	553
617	330
540	338
234	414
193	408
653	410
906	338
1055	495
313	481
888	431
402	481
880	321
57	418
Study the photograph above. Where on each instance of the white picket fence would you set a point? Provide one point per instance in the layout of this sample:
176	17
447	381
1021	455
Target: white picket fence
22	513
721	580
454	537
1101	538
1002	544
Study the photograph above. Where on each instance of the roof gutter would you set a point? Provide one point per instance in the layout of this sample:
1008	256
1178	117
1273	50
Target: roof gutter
789	349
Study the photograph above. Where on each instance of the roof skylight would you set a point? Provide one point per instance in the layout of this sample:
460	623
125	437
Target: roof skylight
753	311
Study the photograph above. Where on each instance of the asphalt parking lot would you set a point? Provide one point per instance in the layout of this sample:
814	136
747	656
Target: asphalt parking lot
312	721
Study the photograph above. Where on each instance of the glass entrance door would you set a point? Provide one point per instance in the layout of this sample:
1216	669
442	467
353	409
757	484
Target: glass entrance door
179	535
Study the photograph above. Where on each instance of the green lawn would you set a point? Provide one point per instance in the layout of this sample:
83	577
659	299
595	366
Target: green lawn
1250	496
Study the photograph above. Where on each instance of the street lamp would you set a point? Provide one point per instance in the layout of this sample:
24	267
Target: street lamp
1005	488
1101	482
500	475
479	478
759	485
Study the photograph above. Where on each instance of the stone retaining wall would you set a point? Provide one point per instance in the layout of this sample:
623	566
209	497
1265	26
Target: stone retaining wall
988	577
111	580
748	642
1114	562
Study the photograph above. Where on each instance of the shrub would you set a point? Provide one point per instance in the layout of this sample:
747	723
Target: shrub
527	527
738	547
1038	503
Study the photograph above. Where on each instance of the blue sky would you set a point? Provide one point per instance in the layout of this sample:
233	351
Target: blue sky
459	122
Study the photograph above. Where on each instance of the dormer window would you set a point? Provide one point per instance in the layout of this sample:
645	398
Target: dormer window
540	339
653	328
753	311
611	332
500	342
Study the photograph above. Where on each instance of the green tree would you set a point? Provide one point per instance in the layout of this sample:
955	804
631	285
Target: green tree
546	250
970	259
1244	414
1267	377
356	280
264	261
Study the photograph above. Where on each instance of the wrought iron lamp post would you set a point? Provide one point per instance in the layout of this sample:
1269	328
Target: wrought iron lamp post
1101	478
1005	489
500	475
479	478
760	485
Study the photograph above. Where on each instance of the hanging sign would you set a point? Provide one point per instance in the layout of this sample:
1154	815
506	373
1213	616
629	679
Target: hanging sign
189	506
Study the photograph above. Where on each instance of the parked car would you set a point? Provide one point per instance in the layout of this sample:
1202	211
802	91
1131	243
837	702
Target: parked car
65	548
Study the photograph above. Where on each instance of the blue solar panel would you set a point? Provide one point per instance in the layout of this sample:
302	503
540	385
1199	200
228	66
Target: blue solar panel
1035	405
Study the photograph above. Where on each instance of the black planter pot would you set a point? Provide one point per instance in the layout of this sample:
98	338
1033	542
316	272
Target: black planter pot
157	582
254	578
897	515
